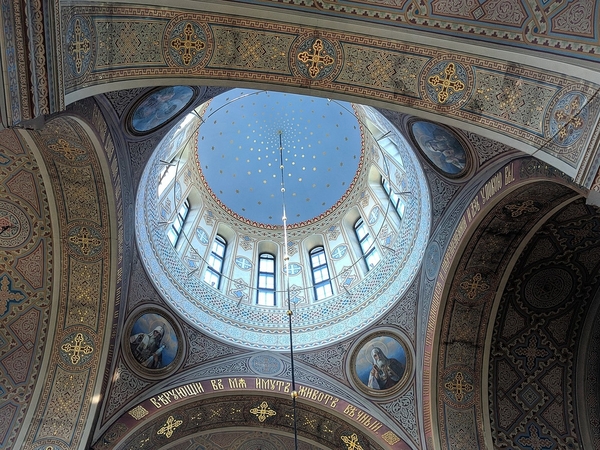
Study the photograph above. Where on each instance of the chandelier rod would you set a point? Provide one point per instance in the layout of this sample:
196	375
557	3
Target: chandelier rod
286	277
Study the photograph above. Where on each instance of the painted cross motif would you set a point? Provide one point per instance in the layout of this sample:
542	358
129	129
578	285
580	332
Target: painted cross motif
459	387
446	84
568	119
65	149
76	348
262	411
317	59
474	286
518	210
531	352
79	46
85	241
169	427
534	440
185	44
8	295
352	442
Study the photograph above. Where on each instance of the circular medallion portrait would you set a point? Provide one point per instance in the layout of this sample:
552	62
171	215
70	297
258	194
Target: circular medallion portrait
152	343
159	107
381	364
441	147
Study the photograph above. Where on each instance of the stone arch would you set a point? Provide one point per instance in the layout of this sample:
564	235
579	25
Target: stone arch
489	96
497	222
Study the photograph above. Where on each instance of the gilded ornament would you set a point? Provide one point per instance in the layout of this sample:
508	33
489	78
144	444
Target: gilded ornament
186	44
85	241
475	286
79	47
352	442
459	387
138	412
65	149
517	210
446	83
262	411
390	438
169	427
315	60
76	348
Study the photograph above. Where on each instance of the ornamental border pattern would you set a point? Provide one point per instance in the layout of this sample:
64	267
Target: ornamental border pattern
537	135
26	272
418	15
54	421
518	171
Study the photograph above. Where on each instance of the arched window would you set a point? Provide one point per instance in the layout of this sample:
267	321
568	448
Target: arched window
320	273
176	227
394	198
266	280
214	269
367	244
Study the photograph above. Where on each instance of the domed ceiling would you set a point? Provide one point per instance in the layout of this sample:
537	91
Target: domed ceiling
249	132
333	170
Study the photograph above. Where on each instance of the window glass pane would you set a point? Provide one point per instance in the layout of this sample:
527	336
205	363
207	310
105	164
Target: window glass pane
211	278
372	259
172	235
321	274
266	281
323	291
366	242
167	175
267	265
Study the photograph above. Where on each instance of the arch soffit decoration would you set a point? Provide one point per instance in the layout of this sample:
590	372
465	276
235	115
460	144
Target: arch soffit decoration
534	110
247	411
464	283
81	173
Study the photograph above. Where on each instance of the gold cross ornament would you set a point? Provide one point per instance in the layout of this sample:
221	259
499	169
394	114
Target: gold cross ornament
262	411
77	348
79	46
446	83
459	387
185	44
316	60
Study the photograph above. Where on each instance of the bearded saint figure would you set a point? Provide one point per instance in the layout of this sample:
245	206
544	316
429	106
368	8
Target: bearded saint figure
147	349
386	372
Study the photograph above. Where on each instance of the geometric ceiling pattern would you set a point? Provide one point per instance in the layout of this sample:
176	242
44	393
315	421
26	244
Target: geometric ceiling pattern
502	316
26	274
543	26
539	324
541	108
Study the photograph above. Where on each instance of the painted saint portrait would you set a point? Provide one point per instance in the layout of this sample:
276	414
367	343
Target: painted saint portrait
160	106
381	363
153	341
440	146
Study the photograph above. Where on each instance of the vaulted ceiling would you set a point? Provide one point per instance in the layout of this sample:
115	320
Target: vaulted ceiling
499	323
